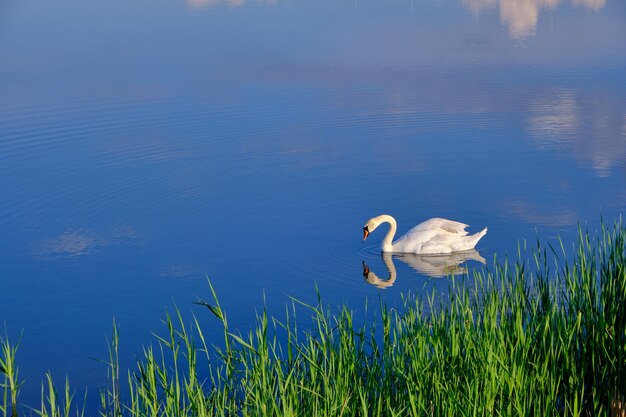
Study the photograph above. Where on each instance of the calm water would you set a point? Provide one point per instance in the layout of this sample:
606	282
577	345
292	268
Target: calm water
147	145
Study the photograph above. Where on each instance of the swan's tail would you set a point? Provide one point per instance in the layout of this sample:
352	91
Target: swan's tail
473	239
470	241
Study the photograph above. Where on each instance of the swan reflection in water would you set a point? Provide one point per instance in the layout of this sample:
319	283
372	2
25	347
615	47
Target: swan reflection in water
435	266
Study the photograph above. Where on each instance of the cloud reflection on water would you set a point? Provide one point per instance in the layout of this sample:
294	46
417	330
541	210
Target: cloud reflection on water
78	242
592	4
521	16
204	4
592	129
554	116
533	214
181	271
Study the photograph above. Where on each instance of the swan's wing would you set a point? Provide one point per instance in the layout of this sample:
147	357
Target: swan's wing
441	242
449	226
432	236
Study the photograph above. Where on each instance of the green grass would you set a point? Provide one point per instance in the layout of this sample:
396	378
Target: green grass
8	368
542	336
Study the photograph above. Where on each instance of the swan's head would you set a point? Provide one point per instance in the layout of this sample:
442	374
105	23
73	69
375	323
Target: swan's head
370	226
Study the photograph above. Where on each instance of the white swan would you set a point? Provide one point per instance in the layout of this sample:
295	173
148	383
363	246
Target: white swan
434	236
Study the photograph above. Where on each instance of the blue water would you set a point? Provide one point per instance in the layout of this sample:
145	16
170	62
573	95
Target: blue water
146	146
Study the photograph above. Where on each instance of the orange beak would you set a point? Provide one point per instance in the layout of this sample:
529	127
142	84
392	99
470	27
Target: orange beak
366	233
366	269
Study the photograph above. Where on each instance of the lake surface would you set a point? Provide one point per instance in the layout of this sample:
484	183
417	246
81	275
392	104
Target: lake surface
148	145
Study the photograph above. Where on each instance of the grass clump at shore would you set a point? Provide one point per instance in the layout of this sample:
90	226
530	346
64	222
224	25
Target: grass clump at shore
507	342
9	369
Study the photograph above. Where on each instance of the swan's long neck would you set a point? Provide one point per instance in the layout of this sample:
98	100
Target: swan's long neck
374	279
390	267
387	244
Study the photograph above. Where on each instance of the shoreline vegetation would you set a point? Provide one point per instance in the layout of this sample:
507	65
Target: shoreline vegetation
543	336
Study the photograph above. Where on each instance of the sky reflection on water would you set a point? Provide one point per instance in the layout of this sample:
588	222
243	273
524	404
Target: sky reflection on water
145	146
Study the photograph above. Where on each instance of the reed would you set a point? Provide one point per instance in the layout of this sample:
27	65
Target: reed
53	405
11	385
545	335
